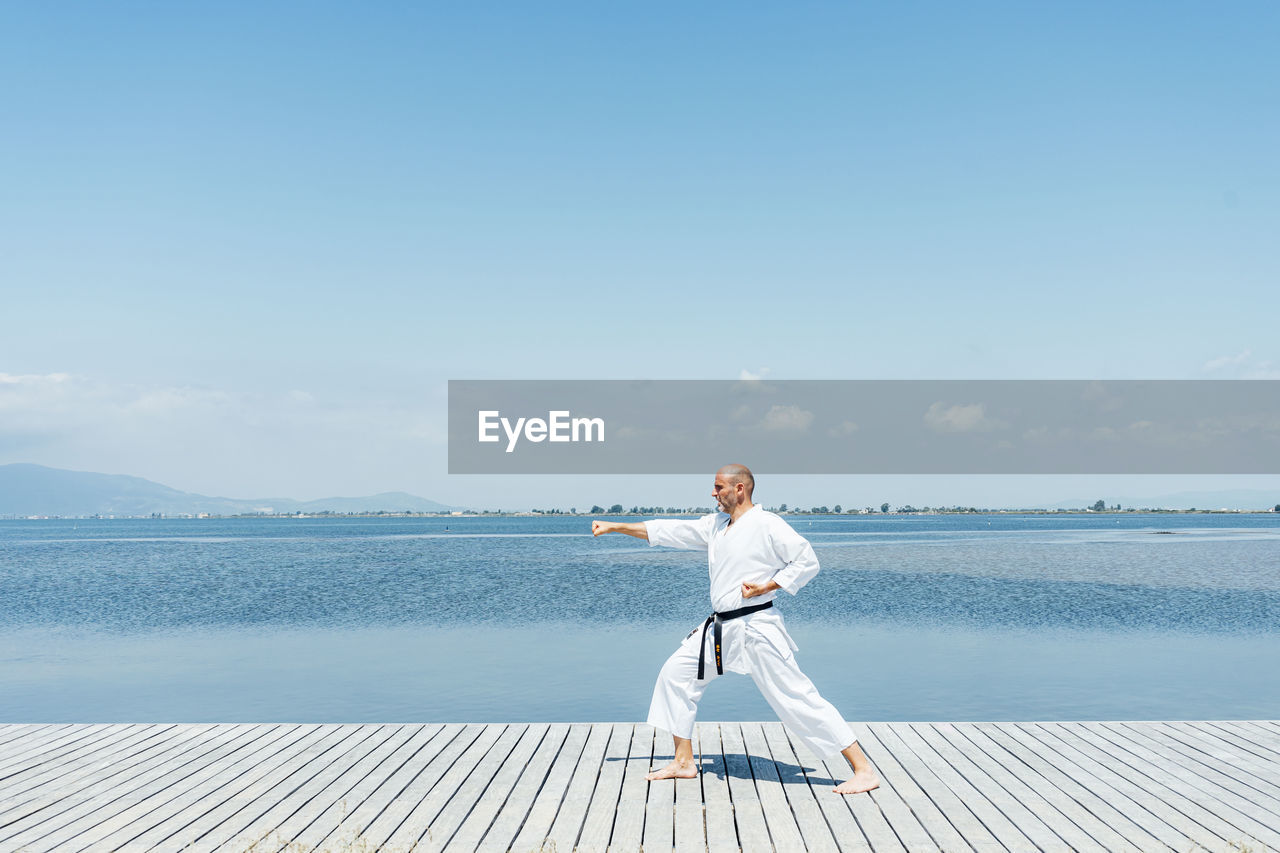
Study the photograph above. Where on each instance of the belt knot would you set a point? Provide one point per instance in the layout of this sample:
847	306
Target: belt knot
714	621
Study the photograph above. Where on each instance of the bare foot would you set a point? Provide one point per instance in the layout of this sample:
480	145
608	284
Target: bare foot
675	770
864	781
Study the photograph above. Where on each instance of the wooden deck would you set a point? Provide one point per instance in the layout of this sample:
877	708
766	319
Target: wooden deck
525	787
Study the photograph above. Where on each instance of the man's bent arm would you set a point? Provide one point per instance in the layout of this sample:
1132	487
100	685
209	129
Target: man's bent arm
801	564
636	529
751	590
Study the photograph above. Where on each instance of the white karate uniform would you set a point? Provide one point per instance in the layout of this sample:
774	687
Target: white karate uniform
758	547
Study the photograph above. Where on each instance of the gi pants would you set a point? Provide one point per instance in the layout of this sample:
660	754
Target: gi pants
757	645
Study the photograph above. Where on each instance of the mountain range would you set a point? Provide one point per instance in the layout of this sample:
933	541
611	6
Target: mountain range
27	489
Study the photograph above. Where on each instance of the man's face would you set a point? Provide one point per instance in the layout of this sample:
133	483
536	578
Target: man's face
725	492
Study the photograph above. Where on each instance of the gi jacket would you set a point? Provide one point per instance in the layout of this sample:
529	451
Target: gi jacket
758	547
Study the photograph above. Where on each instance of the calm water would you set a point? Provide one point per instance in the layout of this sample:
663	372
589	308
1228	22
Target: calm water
490	619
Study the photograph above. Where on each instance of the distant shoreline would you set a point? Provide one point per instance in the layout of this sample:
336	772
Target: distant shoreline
698	512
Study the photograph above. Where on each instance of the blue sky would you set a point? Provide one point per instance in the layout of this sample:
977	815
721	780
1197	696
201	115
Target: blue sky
244	246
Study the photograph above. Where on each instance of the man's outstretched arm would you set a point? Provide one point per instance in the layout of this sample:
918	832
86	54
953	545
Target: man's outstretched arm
636	529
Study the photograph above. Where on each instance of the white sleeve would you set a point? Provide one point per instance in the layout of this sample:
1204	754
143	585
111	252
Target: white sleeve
800	563
691	535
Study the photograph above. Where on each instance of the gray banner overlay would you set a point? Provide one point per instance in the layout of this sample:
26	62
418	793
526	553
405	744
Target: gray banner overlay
865	426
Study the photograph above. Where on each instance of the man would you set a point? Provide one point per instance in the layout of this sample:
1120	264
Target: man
751	554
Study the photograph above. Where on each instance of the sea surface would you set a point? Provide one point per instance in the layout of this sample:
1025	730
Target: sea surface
965	617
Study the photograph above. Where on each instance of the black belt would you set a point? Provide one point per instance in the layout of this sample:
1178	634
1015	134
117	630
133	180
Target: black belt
716	619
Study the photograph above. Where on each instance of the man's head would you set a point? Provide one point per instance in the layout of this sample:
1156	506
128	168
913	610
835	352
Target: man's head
733	487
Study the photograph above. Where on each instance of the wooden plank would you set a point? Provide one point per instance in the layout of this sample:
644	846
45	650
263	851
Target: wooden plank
871	811
17	754
1268	730
722	837
349	792
87	748
825	821
423	773
690	832
660	802
1186	815
1167	764
314	822
1169	774
777	811
969	812
495	796
1244	737
19	739
1013	824
311	773
914	817
944	783
567	826
55	790
1126	808
88	789
1220	757
1058	799
126	805
501	836
1112	786
471	789
753	830
1223	739
946	818
598	825
1036	815
1238	744
108	794
1261	740
218	823
377	790
170	801
628	826
536	831
94	752
13	732
419	827
809	817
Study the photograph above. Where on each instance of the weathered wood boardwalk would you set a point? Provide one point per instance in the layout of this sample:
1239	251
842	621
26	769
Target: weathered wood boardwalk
525	787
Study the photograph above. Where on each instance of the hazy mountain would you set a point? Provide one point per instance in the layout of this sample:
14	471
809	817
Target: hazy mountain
37	490
1231	499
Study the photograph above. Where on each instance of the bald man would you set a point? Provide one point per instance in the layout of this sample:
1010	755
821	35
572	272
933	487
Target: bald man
751	555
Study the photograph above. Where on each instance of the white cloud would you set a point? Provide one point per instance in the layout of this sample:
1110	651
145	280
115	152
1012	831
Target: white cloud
1102	396
215	440
747	376
1224	361
164	402
786	419
34	378
961	418
32	402
1243	365
843	429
